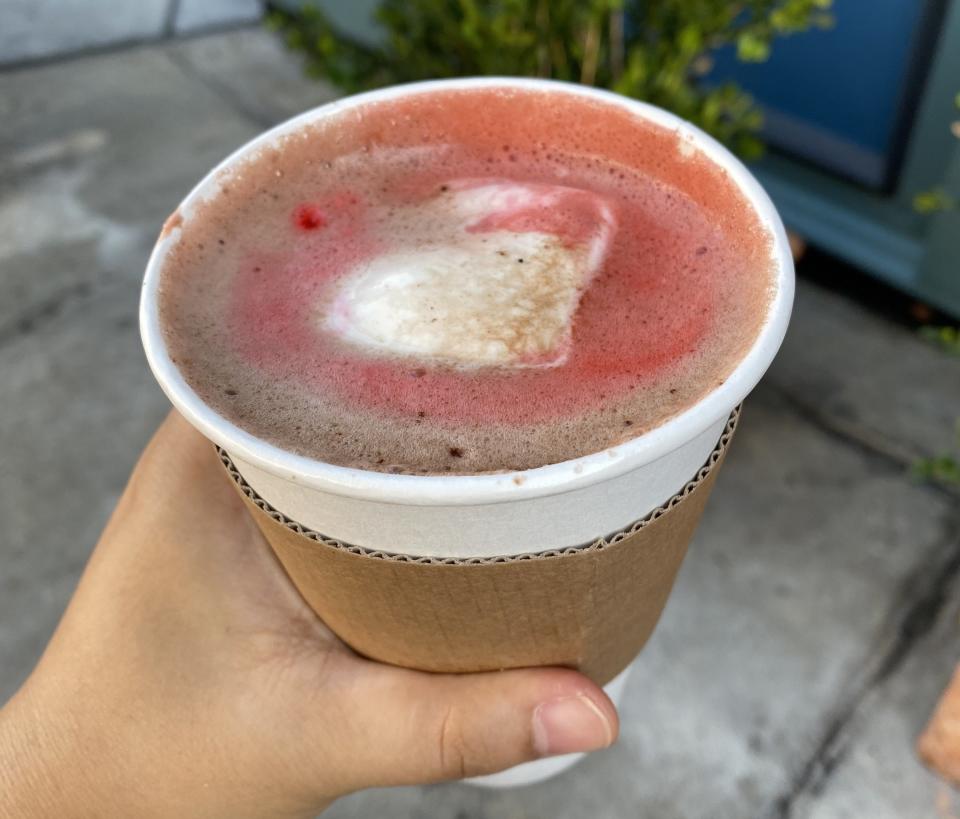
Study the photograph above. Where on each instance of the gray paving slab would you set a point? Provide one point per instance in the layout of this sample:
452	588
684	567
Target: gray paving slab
40	28
78	405
96	153
101	150
867	377
198	14
252	69
874	770
792	580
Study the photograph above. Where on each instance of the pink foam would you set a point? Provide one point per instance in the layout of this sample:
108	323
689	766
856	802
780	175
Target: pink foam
616	343
679	298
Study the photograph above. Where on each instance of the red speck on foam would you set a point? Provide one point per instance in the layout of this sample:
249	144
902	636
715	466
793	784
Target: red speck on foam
309	217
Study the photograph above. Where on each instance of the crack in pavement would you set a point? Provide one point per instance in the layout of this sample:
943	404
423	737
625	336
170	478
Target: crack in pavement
888	450
183	62
29	320
927	588
38	315
126	44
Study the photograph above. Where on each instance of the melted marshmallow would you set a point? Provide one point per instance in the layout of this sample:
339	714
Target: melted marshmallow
488	272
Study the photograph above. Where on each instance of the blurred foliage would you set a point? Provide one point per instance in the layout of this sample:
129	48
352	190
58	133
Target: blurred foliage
944	468
933	200
655	51
946	338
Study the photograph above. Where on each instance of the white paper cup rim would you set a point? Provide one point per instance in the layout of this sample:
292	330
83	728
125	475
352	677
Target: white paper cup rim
497	487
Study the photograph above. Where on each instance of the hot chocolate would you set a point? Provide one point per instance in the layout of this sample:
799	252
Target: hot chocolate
465	281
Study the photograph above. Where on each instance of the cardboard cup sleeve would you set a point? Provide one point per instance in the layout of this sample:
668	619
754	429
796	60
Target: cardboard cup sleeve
591	607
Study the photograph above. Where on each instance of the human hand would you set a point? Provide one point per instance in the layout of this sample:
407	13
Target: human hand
188	678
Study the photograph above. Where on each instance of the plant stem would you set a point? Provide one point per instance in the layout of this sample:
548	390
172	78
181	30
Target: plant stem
591	53
616	44
543	46
559	52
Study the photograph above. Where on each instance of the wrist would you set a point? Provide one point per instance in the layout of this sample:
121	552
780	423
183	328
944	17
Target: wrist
51	767
35	780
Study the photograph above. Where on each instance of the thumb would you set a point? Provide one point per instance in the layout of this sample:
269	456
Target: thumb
411	727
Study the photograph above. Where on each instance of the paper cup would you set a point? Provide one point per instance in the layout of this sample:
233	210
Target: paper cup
591	606
568	564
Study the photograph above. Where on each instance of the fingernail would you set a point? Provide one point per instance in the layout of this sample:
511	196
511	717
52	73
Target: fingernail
570	724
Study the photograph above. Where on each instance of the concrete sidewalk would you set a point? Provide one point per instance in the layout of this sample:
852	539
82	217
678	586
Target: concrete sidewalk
814	622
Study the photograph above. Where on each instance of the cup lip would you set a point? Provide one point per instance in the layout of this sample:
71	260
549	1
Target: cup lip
485	488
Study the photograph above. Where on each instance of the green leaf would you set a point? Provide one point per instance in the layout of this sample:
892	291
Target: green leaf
933	200
752	48
945	338
690	39
942	468
749	147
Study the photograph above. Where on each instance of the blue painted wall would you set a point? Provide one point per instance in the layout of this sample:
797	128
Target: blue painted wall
836	96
